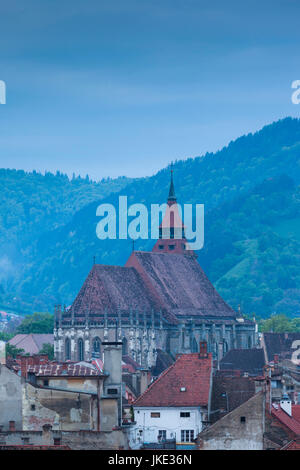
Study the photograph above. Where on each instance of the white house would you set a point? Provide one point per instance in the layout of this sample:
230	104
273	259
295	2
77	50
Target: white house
176	405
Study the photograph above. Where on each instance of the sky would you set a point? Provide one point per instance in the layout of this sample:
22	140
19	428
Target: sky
124	87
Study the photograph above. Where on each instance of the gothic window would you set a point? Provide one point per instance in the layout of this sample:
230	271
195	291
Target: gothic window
80	350
68	349
124	347
194	346
97	346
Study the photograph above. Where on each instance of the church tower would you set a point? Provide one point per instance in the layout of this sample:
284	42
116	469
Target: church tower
171	230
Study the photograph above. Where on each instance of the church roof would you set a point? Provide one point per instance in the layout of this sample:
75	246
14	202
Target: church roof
113	289
181	284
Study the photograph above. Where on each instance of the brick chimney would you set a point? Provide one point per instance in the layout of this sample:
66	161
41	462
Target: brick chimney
24	365
276	358
12	426
203	349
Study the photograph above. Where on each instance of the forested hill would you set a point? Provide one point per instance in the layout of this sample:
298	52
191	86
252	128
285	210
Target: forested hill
252	227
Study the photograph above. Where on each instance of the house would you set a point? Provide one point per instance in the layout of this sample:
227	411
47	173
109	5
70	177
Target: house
31	343
66	396
176	405
283	345
247	361
241	429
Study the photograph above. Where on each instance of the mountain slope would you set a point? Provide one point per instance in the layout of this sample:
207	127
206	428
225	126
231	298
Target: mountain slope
251	194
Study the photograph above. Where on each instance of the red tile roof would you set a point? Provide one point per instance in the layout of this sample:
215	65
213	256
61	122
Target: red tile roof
112	289
69	370
190	372
181	284
291	422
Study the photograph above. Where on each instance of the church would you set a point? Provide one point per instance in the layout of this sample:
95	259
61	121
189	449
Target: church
160	301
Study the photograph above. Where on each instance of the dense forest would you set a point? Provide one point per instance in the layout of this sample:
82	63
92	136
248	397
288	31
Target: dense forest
251	193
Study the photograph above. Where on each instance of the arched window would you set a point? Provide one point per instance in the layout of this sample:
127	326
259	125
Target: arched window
124	347
225	347
80	350
194	346
68	349
96	346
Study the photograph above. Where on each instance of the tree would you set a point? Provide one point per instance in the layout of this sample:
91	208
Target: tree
36	323
280	324
48	349
12	350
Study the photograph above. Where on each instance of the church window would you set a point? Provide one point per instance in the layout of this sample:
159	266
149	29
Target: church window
97	346
124	347
80	350
68	349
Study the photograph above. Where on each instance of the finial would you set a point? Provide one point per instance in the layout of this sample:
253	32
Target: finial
172	196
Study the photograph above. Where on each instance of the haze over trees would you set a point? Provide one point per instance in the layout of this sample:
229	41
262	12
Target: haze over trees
251	193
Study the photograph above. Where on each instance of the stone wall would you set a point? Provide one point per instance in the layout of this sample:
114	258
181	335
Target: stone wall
241	429
10	398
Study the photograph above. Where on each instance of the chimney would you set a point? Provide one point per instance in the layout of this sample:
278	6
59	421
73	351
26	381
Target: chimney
276	358
203	349
2	353
24	365
286	404
145	379
12	426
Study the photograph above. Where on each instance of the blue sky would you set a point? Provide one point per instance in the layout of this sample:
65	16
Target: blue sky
123	87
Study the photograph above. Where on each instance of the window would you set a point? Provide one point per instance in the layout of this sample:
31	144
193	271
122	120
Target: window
161	247
155	415
243	419
32	407
56	441
171	247
162	435
25	440
80	350
68	349
112	391
124	347
187	435
97	346
46	383
185	414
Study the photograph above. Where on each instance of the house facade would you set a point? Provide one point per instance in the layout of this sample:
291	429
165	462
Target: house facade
176	406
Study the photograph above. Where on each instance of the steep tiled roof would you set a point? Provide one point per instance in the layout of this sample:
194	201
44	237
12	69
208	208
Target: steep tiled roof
279	343
113	289
291	422
181	284
31	343
187	382
245	360
66	369
229	392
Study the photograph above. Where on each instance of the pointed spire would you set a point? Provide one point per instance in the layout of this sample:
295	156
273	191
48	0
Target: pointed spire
172	197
